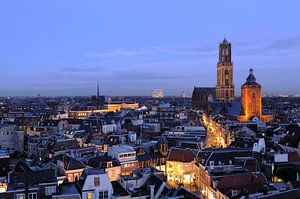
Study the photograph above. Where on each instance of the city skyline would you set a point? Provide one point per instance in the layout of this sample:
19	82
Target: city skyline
65	48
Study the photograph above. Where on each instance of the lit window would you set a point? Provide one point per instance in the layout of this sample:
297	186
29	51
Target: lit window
21	196
97	182
89	196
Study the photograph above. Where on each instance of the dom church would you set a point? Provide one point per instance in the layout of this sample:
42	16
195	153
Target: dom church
224	90
221	98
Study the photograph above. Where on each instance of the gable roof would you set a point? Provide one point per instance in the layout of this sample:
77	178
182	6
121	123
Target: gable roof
181	155
204	90
236	181
290	141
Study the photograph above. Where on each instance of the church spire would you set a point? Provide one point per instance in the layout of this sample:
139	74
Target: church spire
98	90
98	95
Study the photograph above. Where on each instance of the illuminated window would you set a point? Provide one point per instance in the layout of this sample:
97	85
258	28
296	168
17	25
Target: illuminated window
89	196
21	196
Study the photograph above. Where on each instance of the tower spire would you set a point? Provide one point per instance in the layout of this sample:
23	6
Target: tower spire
97	90
98	95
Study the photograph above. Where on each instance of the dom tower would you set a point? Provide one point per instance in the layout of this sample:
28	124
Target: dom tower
225	87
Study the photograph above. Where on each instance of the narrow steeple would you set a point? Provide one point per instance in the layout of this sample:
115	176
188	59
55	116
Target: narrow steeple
98	90
98	96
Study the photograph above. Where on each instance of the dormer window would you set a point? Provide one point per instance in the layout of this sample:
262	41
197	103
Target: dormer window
96	181
211	163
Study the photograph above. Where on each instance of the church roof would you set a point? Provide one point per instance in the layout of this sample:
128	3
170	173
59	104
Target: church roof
251	80
204	90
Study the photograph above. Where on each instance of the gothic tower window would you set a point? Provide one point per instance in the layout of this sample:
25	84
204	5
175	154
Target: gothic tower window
225	87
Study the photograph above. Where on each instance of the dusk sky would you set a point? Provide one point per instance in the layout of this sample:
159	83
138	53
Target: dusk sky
133	46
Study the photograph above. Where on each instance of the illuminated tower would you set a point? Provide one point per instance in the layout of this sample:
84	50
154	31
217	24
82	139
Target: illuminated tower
251	100
225	87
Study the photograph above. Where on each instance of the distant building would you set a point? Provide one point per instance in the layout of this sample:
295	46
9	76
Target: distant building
251	100
183	94
158	93
225	87
118	106
10	139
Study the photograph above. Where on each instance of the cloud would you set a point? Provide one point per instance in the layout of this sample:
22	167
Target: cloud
148	50
279	47
285	44
116	53
192	49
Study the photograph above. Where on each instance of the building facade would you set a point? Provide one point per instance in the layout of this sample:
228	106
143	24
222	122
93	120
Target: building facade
157	93
11	140
225	87
251	100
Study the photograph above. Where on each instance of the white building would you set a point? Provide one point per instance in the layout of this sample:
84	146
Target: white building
126	155
158	93
123	153
108	128
10	139
95	184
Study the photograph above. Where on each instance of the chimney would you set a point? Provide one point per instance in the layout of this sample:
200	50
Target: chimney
152	196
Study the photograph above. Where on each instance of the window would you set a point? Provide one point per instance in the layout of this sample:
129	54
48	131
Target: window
96	181
50	190
89	195
21	196
32	195
211	163
103	195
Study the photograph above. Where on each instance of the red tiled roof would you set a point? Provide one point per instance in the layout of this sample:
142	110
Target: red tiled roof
181	155
293	157
235	181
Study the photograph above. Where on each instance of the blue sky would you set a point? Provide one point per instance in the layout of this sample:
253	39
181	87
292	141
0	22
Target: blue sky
132	46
